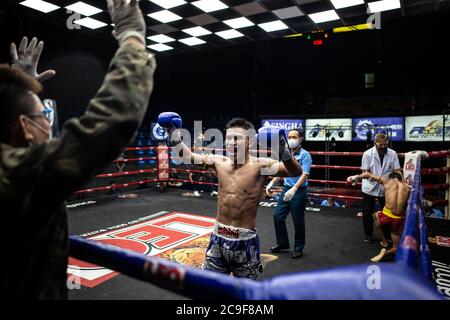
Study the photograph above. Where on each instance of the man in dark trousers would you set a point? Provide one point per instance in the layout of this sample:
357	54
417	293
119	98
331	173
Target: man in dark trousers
293	200
380	161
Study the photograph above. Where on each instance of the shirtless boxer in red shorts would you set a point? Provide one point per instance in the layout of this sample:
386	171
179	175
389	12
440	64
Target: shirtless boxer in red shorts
396	196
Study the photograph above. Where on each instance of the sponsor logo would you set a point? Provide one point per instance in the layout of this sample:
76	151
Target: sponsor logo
147	237
159	133
284	124
162	273
433	129
228	232
410	165
442	277
374	279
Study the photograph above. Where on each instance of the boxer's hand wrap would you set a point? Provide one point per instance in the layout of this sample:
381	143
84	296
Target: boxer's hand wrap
265	136
353	180
128	20
171	121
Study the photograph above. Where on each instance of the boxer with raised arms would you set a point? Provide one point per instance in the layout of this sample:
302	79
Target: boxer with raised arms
234	244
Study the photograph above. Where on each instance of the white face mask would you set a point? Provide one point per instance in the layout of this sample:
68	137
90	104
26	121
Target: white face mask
294	143
48	133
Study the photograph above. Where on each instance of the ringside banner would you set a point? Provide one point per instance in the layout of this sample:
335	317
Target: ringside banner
286	124
426	128
339	129
392	126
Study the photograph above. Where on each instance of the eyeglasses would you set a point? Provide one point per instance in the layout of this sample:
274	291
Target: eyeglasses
46	113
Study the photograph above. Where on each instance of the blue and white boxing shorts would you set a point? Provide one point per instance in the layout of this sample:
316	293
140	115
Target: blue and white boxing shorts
233	250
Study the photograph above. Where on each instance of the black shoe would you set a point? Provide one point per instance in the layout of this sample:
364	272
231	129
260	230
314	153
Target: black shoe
369	239
278	248
296	254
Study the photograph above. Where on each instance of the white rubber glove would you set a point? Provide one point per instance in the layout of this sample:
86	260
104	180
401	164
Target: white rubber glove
269	186
290	194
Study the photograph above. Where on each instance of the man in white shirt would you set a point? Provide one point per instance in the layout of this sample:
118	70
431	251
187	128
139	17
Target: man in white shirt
380	161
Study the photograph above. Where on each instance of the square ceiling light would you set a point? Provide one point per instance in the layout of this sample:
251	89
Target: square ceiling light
384	5
209	5
83	9
39	5
273	26
197	31
160	47
324	16
164	16
192	41
161	38
90	23
239	23
167	4
229	34
339	4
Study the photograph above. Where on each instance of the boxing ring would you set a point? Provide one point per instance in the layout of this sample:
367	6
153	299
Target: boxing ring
408	278
164	168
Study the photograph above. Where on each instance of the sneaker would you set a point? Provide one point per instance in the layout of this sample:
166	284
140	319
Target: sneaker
196	193
279	248
296	254
213	193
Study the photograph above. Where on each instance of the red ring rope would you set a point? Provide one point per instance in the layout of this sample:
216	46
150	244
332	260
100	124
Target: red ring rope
116	186
140	148
134	159
125	173
435	171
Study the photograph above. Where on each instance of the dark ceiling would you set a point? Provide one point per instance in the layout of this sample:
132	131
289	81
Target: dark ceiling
295	14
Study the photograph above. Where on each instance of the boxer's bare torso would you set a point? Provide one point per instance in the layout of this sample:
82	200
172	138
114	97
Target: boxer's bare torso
396	193
396	196
240	188
241	177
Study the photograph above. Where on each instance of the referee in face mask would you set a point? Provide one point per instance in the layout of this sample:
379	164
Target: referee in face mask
380	161
292	199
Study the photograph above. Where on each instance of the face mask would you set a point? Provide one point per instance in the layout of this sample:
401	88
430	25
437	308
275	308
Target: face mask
37	125
382	150
294	143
